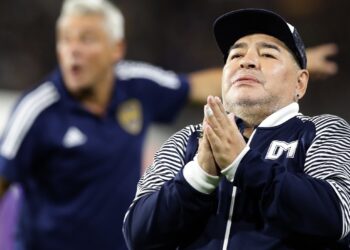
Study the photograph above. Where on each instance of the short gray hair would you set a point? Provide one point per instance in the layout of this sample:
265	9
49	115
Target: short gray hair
114	20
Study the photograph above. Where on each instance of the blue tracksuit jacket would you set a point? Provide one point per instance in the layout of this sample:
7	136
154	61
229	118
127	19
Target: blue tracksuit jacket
290	189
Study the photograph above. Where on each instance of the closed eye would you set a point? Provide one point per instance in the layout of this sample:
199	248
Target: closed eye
233	56
268	55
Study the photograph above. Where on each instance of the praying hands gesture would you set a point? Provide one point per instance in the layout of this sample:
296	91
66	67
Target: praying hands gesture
222	141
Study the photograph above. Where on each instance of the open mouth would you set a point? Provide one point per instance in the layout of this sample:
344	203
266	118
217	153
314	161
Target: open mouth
75	69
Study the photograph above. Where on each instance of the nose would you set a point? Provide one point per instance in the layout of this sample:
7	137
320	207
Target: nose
70	47
249	60
75	49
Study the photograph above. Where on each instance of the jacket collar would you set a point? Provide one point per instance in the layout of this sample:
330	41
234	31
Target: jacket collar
280	116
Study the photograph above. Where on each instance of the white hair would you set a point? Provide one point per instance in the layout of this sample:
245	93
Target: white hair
114	20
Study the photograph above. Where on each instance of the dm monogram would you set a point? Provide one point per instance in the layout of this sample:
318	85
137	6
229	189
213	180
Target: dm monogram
277	148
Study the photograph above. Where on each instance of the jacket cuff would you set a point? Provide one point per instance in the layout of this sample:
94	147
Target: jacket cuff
230	171
199	179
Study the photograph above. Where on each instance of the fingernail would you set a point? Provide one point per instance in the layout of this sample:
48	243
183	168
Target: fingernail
207	111
217	98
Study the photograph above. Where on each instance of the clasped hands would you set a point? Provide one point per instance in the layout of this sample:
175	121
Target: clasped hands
221	142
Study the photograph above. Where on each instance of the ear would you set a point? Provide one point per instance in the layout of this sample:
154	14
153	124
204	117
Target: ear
302	81
118	50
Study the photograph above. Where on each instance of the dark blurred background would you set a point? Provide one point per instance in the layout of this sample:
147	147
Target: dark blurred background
175	35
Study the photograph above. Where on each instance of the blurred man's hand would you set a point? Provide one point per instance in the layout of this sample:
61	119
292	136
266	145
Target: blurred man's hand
319	64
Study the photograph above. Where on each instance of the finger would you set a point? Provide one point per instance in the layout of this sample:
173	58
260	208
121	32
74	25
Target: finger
207	111
233	124
324	50
331	68
219	103
205	156
211	136
209	116
225	150
216	105
211	113
218	112
227	118
330	49
204	143
212	121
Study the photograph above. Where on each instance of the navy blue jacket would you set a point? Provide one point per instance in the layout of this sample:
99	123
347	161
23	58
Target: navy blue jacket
289	189
78	170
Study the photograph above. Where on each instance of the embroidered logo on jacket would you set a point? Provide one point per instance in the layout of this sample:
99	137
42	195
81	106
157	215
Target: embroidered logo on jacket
129	115
277	148
73	137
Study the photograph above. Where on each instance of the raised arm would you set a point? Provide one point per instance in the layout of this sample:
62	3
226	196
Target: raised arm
204	83
208	82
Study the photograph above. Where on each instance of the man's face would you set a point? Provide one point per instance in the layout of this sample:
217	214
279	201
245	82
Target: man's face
260	75
85	52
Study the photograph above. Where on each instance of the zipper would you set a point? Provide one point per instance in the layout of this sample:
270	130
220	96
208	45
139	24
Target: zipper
233	198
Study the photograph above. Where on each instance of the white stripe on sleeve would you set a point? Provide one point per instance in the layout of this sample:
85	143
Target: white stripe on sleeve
24	116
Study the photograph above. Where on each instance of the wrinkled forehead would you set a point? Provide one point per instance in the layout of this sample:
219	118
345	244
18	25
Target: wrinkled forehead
259	40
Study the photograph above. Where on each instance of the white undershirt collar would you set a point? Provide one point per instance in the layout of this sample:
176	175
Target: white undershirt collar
280	116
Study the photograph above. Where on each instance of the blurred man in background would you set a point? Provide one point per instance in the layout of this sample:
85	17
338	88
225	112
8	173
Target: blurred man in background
74	142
